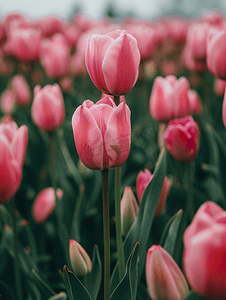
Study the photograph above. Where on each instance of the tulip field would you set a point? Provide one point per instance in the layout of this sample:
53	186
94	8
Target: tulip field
113	158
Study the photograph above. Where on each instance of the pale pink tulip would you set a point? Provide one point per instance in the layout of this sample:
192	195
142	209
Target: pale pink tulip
102	133
21	89
195	102
112	61
47	110
8	101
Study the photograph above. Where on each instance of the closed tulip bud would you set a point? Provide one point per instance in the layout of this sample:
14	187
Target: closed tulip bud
8	101
219	86
169	98
195	102
55	56
129	210
204	258
112	61
182	139
164	278
44	204
48	110
102	133
13	147
80	260
21	89
143	178
216	47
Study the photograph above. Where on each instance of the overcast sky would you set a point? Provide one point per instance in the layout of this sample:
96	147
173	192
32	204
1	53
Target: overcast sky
94	8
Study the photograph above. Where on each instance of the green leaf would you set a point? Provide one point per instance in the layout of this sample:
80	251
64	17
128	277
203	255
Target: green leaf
127	287
93	280
75	289
171	238
45	290
141	229
60	296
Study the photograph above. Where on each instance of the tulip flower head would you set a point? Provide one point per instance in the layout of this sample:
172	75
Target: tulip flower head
102	133
112	61
182	139
80	260
143	179
129	210
48	110
204	258
164	278
13	147
21	89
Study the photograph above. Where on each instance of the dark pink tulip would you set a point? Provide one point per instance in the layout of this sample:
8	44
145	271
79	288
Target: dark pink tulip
55	56
165	281
169	98
21	89
44	204
23	44
102	133
47	110
216	60
182	139
143	178
204	256
80	260
112	61
195	102
13	146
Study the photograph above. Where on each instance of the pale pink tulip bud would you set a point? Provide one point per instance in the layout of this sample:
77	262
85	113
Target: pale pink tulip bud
112	61
213	17
47	109
219	86
77	65
8	101
169	98
143	178
21	89
216	60
55	56
23	44
129	210
66	84
104	143
44	204
13	147
182	139
195	102
80	260
204	257
165	281
49	25
188	59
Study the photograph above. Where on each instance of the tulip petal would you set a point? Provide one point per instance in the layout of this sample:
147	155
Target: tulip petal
88	138
118	136
120	64
19	144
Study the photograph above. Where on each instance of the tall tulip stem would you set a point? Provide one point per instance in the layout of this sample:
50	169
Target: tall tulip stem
16	253
116	99
118	221
53	171
106	225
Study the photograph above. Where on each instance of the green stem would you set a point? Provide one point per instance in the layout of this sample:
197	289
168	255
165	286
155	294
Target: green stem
106	225
16	253
118	221
116	99
52	165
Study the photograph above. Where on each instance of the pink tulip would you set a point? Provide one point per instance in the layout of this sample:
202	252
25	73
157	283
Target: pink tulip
21	89
112	61
129	210
169	98
224	109
143	178
47	110
55	56
165	281
13	146
102	133
216	60
121	98
195	102
80	260
23	44
204	256
8	101
219	86
182	139
44	204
